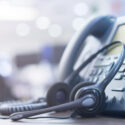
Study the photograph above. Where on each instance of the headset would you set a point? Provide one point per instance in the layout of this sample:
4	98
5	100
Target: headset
59	93
99	27
89	98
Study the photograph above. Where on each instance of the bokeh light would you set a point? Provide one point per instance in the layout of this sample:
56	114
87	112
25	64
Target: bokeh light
77	23
22	29
81	9
55	30
42	23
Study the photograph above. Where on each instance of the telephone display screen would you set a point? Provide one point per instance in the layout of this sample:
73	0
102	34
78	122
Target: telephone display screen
119	36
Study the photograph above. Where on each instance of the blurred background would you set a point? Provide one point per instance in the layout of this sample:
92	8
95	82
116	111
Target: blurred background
33	35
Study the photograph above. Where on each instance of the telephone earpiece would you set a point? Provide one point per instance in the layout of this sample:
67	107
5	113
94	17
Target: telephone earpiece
88	98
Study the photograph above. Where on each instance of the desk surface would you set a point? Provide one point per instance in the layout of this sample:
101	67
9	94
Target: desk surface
89	121
100	120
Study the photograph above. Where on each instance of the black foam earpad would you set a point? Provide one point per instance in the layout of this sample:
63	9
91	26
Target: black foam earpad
77	87
58	94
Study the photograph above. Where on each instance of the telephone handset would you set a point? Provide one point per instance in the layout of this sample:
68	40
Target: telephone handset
100	28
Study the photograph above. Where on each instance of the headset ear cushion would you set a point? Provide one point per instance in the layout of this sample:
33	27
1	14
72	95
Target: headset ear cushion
58	94
77	87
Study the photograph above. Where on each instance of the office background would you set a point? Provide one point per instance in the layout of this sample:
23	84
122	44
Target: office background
33	35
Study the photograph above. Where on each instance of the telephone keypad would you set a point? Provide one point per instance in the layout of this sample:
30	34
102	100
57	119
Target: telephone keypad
115	91
102	68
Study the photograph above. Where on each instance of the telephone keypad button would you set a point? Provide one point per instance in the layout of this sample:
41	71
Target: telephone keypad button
95	79
101	58
91	79
122	100
118	89
118	76
100	71
102	77
113	100
94	72
124	62
122	69
116	57
106	97
108	68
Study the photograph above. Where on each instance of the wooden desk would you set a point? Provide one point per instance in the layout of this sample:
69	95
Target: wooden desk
100	120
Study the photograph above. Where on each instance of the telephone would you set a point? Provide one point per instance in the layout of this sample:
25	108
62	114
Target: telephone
101	28
116	89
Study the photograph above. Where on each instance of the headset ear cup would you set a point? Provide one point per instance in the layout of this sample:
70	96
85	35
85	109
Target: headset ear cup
76	88
97	108
98	96
58	94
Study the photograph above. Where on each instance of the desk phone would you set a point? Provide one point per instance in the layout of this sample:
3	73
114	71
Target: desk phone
115	91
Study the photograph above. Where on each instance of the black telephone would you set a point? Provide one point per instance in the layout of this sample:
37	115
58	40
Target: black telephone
100	28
